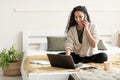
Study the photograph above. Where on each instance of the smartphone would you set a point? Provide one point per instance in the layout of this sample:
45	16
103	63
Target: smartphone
85	17
87	68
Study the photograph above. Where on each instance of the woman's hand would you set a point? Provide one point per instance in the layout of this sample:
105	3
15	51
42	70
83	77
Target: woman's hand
86	24
68	51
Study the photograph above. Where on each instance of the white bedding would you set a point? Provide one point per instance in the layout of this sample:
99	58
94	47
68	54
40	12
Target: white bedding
56	76
111	50
39	42
97	75
43	76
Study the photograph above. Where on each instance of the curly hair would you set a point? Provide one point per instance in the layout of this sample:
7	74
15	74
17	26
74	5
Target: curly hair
71	21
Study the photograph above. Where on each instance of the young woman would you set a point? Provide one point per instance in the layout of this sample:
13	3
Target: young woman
82	38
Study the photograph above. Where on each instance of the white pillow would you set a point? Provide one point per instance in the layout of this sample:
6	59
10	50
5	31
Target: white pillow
43	44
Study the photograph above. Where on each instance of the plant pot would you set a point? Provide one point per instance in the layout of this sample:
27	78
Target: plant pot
13	69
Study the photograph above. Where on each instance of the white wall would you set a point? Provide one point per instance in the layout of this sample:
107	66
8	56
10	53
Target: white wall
50	16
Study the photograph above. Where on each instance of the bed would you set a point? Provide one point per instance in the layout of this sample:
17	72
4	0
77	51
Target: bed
35	47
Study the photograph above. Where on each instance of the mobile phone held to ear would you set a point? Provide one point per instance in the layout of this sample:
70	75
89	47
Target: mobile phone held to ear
85	17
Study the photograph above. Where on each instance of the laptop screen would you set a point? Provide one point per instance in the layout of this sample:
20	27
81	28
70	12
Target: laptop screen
62	61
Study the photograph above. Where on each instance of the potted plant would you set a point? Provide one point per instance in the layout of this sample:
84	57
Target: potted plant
10	61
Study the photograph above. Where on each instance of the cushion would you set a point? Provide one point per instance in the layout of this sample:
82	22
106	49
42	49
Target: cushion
101	45
56	43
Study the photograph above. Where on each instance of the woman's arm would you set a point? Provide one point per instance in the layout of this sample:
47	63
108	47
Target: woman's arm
91	39
69	42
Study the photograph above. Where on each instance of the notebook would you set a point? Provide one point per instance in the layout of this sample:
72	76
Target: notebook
62	61
40	62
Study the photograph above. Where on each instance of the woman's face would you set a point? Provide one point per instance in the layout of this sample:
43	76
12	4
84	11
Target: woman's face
79	17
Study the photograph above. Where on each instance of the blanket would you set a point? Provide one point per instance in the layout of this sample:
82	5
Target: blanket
28	67
37	68
96	75
99	73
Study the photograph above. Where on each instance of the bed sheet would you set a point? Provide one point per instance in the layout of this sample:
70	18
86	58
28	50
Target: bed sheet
100	74
110	50
38	76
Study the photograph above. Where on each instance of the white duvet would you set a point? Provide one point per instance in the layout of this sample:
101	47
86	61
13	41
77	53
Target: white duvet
55	76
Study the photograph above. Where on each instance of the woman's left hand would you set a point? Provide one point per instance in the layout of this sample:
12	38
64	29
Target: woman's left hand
86	24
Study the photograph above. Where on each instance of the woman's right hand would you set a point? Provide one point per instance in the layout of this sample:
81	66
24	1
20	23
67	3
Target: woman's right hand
68	51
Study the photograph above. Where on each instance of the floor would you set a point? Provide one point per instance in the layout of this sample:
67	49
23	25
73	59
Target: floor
2	77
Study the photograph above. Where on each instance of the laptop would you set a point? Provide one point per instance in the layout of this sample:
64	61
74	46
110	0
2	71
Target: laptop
62	61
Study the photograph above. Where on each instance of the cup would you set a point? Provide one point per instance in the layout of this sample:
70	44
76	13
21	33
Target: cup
107	66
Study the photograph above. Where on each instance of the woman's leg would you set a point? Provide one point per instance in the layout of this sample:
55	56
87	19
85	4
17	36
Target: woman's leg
75	57
97	58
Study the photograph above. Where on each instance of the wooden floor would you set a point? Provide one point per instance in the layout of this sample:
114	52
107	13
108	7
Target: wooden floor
2	77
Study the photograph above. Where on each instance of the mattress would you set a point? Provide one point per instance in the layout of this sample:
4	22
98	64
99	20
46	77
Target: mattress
44	71
113	54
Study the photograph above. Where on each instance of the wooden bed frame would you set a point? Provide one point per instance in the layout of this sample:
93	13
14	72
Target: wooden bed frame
32	40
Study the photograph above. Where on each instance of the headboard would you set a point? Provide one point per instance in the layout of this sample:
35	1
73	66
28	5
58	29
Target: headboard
32	40
107	38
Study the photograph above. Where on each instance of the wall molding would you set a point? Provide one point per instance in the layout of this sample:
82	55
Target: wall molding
18	10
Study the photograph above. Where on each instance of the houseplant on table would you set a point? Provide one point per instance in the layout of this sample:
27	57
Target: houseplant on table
10	61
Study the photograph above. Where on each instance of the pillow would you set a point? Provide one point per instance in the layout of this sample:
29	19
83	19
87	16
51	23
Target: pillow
101	45
56	43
